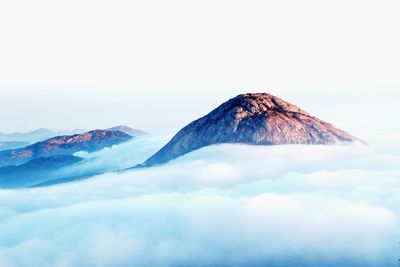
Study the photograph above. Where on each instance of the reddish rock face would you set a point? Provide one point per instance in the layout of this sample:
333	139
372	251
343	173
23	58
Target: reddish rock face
63	145
259	119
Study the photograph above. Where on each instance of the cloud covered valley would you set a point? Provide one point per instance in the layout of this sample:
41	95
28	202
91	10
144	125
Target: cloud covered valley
223	205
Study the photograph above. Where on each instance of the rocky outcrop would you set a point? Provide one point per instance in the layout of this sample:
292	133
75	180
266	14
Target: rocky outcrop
63	145
258	119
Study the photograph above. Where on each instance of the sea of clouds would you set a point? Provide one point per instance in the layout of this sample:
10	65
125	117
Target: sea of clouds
224	205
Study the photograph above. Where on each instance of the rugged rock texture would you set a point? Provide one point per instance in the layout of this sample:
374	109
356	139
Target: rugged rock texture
259	119
127	130
63	145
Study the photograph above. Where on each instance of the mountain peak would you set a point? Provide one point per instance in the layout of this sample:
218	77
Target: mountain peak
251	104
263	102
253	118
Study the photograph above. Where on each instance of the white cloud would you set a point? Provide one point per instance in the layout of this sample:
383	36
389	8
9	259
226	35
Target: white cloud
222	205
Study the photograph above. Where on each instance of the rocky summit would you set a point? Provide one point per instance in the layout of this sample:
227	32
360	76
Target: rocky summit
255	118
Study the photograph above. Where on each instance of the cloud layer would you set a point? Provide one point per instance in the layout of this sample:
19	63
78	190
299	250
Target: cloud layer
226	205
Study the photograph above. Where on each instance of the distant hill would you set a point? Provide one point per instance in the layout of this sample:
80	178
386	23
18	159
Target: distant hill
128	130
42	134
63	145
35	136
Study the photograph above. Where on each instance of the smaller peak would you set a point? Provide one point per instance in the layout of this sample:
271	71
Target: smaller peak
127	130
41	130
121	127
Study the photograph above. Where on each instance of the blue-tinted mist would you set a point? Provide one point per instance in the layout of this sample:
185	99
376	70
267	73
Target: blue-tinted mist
226	205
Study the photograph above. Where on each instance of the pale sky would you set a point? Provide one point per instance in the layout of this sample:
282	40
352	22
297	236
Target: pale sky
157	65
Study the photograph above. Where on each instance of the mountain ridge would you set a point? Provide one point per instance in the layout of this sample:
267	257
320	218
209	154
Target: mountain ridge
63	145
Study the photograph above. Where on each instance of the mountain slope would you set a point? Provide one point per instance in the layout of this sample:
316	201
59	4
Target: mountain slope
63	145
257	118
35	171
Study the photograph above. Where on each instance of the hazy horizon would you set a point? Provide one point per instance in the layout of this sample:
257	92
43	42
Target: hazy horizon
167	111
132	63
